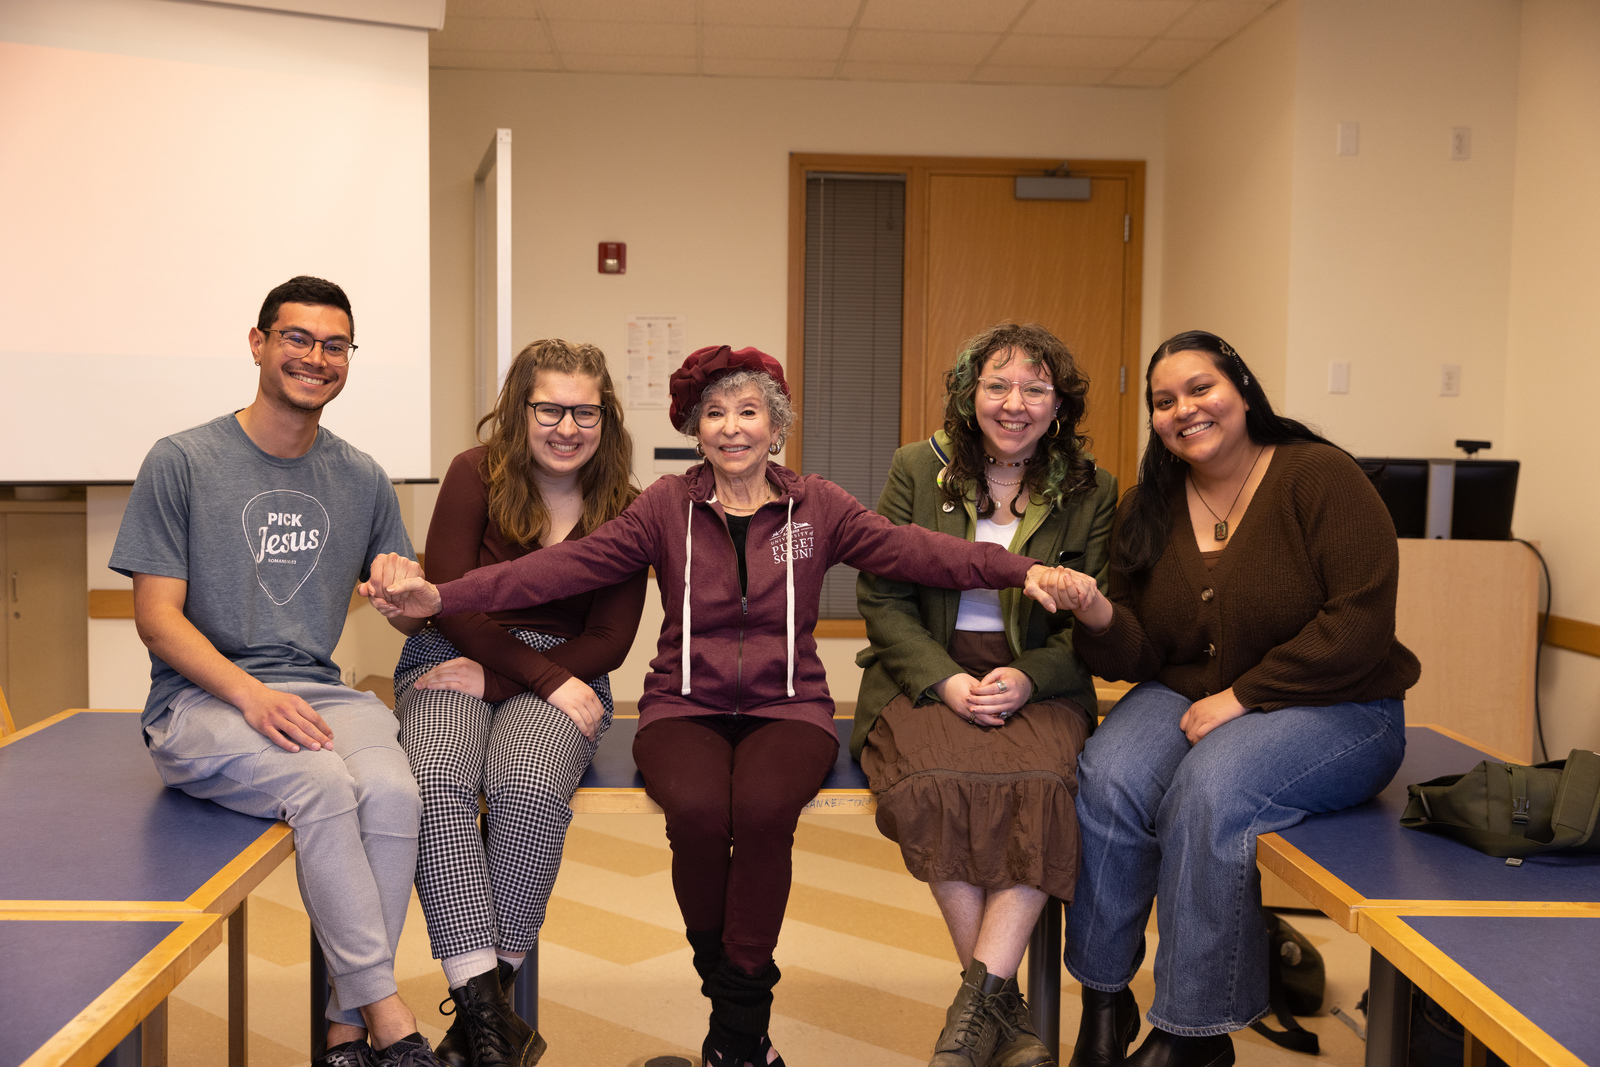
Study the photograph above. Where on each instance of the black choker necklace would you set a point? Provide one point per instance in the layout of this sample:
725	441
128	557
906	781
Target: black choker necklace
1002	463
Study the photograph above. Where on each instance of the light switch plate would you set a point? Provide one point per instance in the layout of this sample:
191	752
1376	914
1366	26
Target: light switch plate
1338	377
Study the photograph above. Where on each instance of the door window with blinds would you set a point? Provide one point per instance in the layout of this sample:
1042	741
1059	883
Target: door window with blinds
850	396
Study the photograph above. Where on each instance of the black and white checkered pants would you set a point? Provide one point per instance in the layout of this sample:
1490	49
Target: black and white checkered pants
525	756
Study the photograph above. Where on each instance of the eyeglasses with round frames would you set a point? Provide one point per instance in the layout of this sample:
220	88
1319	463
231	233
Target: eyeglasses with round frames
1034	391
300	344
587	416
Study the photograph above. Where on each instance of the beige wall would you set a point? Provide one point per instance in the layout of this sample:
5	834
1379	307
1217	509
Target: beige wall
1554	348
1230	155
1400	257
693	174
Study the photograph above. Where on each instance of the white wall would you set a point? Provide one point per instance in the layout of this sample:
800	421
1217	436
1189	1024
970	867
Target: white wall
1554	349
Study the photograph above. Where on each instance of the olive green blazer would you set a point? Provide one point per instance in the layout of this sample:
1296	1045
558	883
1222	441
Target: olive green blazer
909	626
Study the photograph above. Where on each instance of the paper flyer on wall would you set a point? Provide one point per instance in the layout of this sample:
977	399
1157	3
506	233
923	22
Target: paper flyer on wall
655	349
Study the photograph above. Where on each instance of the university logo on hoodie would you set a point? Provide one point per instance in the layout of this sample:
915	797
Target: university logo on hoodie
804	542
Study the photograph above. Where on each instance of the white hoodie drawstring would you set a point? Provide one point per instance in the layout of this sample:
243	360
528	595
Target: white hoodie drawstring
688	555
789	590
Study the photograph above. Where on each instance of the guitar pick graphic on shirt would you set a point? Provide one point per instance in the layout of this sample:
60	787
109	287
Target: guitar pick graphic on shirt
286	531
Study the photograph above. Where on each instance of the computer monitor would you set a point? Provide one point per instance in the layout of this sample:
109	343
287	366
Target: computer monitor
1479	496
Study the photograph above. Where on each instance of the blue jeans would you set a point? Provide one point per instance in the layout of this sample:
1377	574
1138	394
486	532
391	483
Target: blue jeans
1163	818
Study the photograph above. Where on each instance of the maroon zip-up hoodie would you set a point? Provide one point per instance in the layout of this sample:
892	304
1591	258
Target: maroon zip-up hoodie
751	654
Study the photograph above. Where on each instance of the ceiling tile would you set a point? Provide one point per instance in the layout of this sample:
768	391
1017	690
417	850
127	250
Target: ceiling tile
617	64
1080	52
1216	21
768	68
977	16
908	72
446	60
1142	79
618	10
772	42
840	13
623	39
894	46
1102	18
1170	55
1005	74
494	35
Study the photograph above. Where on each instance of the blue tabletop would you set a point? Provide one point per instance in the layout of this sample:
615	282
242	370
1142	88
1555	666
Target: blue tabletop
1546	967
1366	847
86	817
613	764
50	971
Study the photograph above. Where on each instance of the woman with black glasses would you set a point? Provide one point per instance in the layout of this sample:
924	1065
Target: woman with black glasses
512	703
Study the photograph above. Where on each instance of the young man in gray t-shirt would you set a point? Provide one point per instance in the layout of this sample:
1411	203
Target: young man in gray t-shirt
244	538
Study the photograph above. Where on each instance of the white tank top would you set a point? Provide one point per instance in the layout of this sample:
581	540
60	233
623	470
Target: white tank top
980	608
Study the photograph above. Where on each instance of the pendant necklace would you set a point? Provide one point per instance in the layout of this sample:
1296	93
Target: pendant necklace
1220	530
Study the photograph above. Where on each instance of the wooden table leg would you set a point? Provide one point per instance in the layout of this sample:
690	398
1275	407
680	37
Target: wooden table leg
1388	1014
1044	975
239	985
1474	1053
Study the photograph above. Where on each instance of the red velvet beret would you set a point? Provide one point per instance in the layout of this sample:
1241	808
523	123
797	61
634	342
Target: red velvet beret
706	365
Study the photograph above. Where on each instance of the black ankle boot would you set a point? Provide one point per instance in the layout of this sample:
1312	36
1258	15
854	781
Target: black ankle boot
1110	1023
741	1009
1162	1049
455	1048
495	1036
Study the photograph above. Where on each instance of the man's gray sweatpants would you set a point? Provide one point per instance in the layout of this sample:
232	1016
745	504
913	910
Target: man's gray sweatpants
354	811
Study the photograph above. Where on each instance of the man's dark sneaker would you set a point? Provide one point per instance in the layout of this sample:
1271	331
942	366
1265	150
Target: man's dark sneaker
349	1054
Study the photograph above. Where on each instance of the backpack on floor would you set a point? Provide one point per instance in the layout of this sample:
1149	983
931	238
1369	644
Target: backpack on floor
1296	983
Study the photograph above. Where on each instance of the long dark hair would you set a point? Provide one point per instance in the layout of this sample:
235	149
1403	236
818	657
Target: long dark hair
1142	536
515	503
1061	466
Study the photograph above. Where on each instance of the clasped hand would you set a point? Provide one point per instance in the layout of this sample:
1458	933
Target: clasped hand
986	701
1060	587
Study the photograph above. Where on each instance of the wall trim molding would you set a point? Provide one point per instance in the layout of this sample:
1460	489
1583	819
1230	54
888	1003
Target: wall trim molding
1574	635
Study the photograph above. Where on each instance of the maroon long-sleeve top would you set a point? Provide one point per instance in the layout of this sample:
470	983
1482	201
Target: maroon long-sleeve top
599	625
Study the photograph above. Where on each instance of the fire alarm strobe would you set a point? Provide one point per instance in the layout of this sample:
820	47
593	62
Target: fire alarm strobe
613	257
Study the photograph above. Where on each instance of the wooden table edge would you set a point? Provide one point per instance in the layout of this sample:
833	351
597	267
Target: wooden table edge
99	1027
1484	1013
1330	895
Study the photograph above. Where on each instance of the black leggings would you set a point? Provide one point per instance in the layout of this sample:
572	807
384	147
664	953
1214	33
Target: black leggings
732	789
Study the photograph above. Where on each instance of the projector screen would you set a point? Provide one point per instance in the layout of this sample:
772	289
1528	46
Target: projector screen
162	166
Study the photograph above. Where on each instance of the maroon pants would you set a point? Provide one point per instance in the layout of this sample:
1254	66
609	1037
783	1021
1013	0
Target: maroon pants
732	789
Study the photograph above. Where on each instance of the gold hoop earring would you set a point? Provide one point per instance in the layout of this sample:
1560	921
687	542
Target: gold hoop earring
1055	428
699	451
774	449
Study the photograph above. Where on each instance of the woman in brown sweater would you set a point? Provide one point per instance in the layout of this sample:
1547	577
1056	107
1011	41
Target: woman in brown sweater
1252	596
512	704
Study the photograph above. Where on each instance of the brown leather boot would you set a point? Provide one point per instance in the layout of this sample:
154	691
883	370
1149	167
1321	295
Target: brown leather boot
971	1026
1019	1043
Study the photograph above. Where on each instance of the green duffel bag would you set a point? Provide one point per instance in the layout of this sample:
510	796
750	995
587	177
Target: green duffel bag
1509	810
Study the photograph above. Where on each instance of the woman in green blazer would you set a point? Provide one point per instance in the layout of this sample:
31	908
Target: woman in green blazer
973	707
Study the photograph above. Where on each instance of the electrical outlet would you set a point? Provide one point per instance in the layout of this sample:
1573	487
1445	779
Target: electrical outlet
1450	380
1348	142
1338	377
1460	143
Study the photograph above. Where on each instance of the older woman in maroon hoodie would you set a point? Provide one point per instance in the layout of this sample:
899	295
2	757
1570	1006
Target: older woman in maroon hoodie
735	725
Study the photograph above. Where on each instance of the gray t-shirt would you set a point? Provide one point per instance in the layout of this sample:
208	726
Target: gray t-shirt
271	548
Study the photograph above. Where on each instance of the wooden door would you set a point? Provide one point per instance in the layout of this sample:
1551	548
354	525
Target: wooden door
1059	263
46	616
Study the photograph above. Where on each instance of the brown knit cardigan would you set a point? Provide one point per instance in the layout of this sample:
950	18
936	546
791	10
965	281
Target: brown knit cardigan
1299	609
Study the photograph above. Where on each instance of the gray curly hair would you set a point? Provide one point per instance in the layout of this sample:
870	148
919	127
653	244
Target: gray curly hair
779	410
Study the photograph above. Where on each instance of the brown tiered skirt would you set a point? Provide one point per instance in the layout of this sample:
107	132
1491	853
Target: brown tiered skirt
989	806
